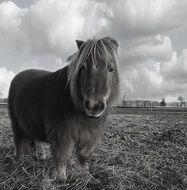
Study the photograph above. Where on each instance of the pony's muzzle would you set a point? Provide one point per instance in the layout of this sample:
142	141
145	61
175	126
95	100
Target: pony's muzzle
94	108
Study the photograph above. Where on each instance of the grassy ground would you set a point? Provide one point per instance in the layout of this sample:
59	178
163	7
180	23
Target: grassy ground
137	152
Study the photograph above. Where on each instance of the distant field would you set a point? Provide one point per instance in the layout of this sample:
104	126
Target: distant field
3	108
140	150
148	110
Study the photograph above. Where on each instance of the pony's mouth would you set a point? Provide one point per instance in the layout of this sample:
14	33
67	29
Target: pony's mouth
94	115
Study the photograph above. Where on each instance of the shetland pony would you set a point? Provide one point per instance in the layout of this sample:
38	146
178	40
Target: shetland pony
67	108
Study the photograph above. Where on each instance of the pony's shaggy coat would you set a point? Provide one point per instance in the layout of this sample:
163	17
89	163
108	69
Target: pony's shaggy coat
47	106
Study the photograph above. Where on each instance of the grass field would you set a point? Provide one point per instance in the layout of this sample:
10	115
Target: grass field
138	152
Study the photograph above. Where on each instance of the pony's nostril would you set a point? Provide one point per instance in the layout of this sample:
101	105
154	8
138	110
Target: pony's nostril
87	104
99	106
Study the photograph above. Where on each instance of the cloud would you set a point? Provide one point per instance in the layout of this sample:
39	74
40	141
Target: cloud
143	81
157	48
176	68
49	27
156	79
10	16
10	20
5	79
132	19
41	34
52	27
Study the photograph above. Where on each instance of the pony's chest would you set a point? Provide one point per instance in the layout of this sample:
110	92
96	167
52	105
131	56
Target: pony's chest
90	132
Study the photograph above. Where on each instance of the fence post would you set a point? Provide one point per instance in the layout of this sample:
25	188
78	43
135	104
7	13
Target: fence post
151	105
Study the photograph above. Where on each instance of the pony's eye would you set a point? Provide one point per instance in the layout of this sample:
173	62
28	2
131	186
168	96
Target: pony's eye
111	69
83	66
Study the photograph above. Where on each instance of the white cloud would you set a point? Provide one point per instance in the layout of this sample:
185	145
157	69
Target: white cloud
5	79
158	48
176	68
10	16
134	18
143	81
158	79
52	26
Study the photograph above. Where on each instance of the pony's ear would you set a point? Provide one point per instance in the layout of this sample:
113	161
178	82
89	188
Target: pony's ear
79	43
113	41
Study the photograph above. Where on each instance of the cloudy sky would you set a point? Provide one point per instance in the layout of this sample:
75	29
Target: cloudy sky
152	35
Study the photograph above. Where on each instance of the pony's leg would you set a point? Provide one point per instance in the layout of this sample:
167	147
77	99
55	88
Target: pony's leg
22	143
83	154
39	150
61	152
23	146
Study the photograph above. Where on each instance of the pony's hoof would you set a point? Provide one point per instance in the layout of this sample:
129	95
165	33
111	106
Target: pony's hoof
19	157
41	156
71	163
60	177
85	167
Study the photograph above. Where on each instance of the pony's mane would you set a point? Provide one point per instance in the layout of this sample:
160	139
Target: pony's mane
103	53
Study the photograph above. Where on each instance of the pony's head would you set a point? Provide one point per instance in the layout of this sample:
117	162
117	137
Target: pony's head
93	75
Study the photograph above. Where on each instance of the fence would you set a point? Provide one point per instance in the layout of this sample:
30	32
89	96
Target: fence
140	108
